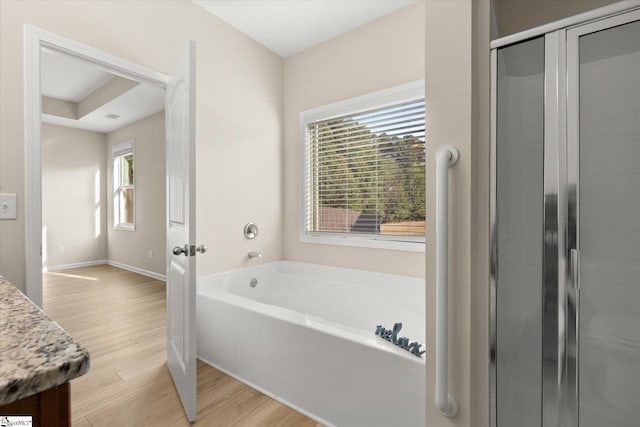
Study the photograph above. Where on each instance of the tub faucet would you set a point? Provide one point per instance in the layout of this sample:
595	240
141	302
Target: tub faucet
254	254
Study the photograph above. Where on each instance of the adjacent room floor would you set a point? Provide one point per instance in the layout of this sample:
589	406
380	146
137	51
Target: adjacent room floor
119	316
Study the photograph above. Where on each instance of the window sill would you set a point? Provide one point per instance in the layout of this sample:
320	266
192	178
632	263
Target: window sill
363	242
125	227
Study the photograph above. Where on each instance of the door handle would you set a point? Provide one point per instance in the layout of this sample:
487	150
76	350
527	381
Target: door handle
575	268
189	250
568	315
181	250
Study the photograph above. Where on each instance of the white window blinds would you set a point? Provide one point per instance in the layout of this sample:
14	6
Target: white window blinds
366	173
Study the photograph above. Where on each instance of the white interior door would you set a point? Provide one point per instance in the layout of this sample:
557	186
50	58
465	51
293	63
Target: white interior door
181	229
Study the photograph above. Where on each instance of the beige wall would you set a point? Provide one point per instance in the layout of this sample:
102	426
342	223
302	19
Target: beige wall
457	93
238	121
73	195
513	16
58	107
132	247
384	53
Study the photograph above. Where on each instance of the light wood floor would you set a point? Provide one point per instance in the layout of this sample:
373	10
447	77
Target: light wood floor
119	317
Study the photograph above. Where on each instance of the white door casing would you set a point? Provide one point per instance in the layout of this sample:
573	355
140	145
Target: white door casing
181	232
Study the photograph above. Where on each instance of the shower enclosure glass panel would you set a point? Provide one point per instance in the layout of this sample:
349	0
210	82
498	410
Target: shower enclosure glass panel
519	188
609	226
565	224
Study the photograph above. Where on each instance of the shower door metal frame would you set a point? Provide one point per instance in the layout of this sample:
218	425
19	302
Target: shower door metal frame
556	333
493	244
560	391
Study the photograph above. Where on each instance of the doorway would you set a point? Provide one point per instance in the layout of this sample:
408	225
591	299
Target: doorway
103	168
35	40
180	188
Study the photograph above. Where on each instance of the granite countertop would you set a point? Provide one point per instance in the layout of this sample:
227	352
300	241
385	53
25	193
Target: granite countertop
35	352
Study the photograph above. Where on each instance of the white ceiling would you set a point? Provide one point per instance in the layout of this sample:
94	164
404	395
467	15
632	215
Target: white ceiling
290	26
70	79
67	78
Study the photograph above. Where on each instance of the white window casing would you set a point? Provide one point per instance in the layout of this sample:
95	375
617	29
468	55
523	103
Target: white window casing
123	188
363	175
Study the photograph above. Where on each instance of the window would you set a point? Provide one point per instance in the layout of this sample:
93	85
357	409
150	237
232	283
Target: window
364	169
124	186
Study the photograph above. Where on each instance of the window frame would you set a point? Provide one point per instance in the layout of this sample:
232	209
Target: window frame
411	91
118	151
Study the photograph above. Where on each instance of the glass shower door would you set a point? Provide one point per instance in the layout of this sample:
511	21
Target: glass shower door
518	263
604	216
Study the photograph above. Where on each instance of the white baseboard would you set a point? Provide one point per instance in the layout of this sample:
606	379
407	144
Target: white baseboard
73	265
103	262
142	271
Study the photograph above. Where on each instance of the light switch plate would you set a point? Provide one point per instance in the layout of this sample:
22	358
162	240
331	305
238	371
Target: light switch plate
8	206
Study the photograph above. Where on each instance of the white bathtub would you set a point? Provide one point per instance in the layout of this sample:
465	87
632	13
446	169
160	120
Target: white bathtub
304	335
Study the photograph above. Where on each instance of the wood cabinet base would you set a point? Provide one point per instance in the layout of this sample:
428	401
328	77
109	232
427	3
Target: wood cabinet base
49	408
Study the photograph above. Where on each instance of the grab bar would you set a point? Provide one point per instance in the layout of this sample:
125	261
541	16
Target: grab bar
446	156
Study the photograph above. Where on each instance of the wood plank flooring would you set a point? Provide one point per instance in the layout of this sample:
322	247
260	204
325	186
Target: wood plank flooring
119	316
